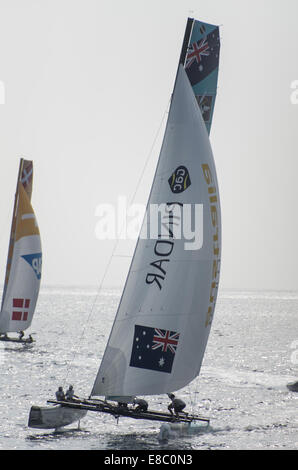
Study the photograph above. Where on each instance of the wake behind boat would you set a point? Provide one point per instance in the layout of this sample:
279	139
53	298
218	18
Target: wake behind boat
167	305
23	268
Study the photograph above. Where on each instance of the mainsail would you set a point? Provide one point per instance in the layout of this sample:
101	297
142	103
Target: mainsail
200	58
23	269
163	320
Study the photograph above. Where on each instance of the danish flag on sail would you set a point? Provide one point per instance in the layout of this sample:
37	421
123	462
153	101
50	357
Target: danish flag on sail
20	309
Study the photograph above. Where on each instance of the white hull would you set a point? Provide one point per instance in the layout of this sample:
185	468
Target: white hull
53	417
173	430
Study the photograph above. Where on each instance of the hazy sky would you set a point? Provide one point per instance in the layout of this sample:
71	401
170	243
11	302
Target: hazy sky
87	83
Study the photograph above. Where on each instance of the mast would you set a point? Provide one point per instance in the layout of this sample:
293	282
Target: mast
184	48
187	35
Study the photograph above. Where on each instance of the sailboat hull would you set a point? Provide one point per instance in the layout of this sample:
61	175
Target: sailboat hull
53	417
16	340
172	430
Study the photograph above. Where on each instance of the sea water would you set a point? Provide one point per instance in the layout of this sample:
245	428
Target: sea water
250	357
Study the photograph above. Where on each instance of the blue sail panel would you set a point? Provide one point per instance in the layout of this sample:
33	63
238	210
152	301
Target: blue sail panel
200	58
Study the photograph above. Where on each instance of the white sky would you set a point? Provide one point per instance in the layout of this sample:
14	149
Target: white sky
87	83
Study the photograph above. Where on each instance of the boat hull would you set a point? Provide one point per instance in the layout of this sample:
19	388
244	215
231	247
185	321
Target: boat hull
17	340
174	430
53	417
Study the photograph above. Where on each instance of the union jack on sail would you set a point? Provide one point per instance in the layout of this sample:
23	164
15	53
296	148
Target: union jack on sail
165	340
196	51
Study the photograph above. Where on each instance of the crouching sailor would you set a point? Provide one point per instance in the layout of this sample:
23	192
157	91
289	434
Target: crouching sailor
142	405
176	404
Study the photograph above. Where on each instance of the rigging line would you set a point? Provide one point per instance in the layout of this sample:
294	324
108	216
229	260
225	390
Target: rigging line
117	240
150	152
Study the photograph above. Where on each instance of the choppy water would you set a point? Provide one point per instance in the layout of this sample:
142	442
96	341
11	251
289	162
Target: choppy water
249	360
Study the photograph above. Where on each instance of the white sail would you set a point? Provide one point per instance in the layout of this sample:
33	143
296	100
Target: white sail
23	282
163	321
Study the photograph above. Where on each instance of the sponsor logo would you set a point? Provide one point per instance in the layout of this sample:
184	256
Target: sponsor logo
205	104
214	214
35	261
180	180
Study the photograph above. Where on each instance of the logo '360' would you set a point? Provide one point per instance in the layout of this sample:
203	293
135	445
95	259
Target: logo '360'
180	180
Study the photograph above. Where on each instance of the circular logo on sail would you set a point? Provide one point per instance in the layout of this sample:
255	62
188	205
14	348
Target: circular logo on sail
180	180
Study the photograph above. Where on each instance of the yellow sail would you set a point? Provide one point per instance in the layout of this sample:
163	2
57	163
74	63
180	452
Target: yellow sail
26	223
25	180
24	264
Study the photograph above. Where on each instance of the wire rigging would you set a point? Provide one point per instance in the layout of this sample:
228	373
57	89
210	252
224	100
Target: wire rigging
116	242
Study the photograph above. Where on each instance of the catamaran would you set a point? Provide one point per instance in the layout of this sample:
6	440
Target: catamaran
23	268
160	332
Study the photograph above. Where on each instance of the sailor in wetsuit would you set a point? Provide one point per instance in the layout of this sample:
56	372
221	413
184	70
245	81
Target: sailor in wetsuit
60	394
70	394
176	404
142	405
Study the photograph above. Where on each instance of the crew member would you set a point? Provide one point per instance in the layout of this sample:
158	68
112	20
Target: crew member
70	393
176	404
142	405
60	394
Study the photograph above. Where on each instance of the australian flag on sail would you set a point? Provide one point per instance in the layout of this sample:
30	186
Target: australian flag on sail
154	348
202	56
